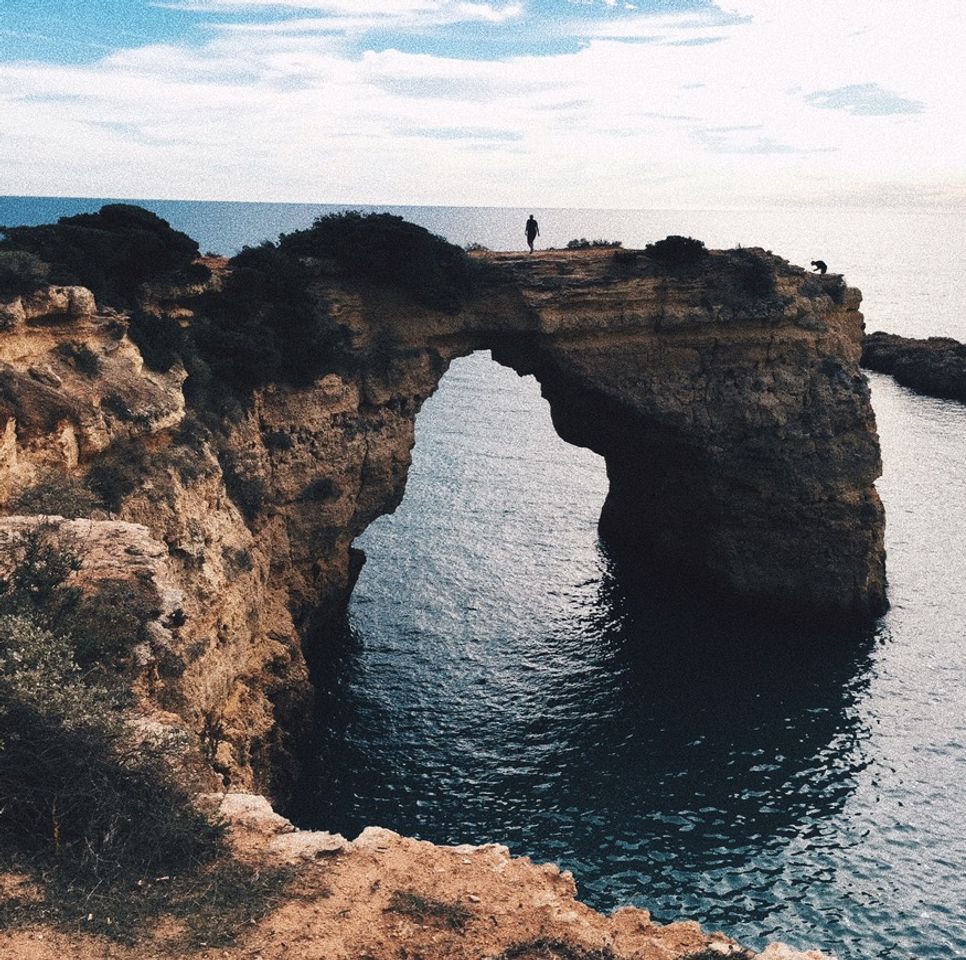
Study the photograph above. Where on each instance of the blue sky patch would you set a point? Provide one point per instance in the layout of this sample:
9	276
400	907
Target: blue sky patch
864	99
80	31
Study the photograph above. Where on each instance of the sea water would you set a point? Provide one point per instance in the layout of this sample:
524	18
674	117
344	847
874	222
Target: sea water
500	682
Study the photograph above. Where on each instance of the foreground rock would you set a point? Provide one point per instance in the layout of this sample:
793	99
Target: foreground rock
935	367
386	897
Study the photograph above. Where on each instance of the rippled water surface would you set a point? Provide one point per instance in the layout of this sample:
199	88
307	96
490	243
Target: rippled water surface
500	679
501	682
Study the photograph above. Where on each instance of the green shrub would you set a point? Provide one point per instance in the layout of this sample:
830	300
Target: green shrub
89	810
117	471
264	326
112	251
160	339
36	586
55	494
584	244
675	251
104	622
755	274
21	271
384	248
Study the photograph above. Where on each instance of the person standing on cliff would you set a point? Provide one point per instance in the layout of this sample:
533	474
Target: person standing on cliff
532	231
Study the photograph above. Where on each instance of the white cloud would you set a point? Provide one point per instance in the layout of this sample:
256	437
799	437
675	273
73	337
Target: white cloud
296	115
353	15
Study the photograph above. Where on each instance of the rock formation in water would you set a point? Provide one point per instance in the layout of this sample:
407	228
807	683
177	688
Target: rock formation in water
935	367
736	427
724	395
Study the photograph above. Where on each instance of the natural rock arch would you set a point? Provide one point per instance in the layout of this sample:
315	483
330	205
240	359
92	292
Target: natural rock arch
724	396
737	429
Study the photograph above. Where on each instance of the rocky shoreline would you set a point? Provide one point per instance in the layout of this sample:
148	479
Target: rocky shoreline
387	897
741	448
934	367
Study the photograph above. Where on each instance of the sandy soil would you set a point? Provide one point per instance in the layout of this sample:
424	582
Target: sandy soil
386	897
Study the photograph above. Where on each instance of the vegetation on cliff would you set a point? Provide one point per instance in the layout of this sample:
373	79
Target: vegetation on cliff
582	243
675	251
385	249
268	323
92	808
112	252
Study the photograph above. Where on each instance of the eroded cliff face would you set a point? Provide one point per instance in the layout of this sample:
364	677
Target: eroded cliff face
737	430
741	450
736	426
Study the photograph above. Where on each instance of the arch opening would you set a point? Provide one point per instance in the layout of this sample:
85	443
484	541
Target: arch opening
571	716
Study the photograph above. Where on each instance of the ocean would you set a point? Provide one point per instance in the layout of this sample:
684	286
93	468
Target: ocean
498	682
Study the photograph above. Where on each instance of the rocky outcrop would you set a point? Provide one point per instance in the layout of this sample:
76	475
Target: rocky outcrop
384	896
737	430
384	890
77	399
735	423
935	367
740	446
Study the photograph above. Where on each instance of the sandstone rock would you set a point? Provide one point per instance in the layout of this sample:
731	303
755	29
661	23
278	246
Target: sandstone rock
59	303
737	430
307	845
740	445
253	814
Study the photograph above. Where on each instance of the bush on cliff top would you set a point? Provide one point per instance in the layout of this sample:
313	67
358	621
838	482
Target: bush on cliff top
21	271
384	248
264	326
584	244
676	251
112	251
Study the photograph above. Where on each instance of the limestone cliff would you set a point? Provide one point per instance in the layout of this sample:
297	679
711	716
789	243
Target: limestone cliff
725	398
736	426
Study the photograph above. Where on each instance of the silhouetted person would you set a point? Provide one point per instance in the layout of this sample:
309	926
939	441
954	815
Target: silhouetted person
820	265
533	231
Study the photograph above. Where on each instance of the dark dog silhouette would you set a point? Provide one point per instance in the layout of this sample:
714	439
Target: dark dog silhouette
820	265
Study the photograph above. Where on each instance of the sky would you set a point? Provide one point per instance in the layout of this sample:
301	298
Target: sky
588	103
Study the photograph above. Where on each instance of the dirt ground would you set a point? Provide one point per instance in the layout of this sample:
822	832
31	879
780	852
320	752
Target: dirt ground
386	897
